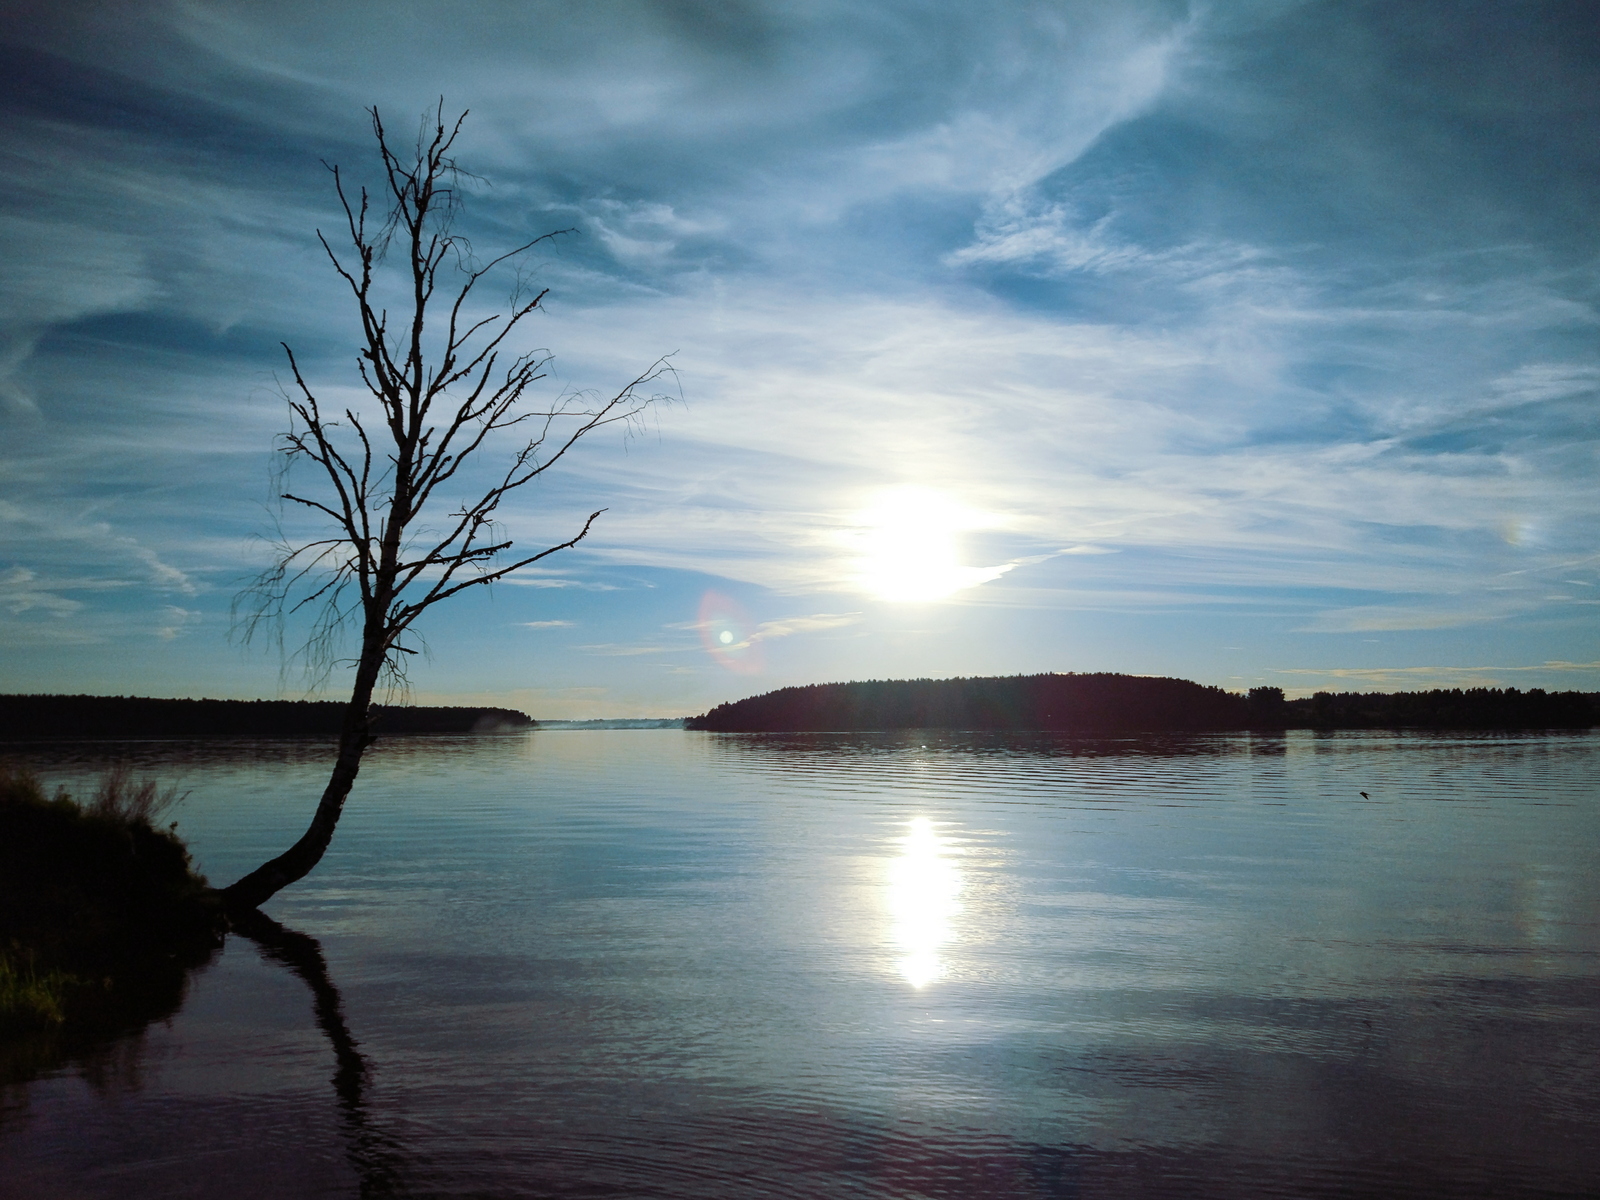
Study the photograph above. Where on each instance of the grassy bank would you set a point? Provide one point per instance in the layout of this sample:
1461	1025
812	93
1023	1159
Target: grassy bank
101	911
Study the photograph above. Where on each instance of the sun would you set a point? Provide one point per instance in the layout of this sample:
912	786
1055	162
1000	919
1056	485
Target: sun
910	548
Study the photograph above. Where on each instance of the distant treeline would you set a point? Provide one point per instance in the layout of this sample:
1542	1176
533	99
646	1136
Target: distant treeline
1105	703
1446	708
34	717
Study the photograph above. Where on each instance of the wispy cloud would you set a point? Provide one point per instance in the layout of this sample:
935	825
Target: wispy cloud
21	591
1379	618
1442	676
789	626
579	584
59	271
172	621
619	650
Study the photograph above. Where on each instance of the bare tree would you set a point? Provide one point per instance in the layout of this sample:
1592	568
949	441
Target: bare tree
445	380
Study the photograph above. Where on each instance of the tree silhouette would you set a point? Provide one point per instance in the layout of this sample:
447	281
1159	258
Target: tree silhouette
444	381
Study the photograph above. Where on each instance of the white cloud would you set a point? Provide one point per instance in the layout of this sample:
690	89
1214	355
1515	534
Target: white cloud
788	626
38	532
1050	238
22	591
1376	618
580	584
646	232
173	620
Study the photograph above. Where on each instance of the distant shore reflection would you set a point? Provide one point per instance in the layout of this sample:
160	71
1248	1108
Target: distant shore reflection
924	891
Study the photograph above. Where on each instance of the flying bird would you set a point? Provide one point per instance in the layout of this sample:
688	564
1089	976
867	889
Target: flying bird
1364	796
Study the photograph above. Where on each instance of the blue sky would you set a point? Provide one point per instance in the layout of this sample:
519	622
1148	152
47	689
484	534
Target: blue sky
1245	342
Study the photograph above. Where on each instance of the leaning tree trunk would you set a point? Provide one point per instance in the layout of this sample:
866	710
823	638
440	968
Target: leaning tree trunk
296	862
436	416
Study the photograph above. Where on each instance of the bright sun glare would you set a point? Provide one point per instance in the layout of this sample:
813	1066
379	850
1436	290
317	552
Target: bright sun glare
910	550
923	889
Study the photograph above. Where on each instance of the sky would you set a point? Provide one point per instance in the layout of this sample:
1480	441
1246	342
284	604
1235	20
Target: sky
1253	343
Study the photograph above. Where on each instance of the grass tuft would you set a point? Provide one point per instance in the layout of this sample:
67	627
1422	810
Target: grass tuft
31	999
96	902
121	798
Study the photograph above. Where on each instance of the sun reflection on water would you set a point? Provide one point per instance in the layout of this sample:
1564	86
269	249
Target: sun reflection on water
924	887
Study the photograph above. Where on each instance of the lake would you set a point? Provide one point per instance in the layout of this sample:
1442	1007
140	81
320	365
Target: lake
669	964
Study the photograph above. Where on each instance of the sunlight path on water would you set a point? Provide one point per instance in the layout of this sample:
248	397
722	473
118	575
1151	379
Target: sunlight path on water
923	889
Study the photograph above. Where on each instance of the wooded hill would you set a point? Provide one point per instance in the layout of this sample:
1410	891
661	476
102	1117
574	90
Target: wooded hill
1107	703
28	718
1080	703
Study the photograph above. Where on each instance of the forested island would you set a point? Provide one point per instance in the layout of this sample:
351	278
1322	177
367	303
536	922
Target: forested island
31	718
1108	703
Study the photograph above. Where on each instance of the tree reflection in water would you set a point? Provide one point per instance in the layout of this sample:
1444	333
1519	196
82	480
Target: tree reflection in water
105	1042
374	1156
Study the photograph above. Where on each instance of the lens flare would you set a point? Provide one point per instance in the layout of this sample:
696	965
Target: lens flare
728	634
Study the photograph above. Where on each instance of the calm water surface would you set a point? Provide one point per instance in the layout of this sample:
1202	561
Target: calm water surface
666	964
